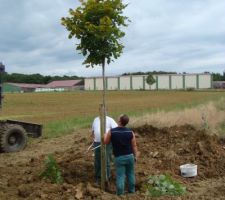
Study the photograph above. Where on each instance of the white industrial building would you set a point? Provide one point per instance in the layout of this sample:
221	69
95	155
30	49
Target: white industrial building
163	82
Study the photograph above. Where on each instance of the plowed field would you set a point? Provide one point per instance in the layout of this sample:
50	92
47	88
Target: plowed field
161	151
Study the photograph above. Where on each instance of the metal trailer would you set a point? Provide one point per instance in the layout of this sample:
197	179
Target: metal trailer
13	134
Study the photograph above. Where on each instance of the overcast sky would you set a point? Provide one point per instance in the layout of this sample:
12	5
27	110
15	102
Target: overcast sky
175	35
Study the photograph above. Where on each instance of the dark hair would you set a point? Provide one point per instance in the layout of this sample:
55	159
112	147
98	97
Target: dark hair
124	119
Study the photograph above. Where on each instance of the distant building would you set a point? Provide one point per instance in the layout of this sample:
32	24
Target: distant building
162	82
65	85
20	87
219	84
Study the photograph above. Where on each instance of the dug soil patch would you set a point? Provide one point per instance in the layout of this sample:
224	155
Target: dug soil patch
162	151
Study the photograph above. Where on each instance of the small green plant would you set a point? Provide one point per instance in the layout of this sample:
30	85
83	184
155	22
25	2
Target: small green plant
52	171
163	185
205	124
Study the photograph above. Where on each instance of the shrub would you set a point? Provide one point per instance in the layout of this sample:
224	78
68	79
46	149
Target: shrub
52	171
163	185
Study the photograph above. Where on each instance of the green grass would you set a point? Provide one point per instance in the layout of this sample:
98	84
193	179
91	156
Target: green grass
222	129
67	126
220	105
63	127
61	113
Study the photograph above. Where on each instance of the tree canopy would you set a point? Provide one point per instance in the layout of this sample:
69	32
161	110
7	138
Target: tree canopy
150	79
35	78
218	77
96	24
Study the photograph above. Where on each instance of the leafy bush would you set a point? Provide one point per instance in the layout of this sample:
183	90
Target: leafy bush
163	185
150	79
52	171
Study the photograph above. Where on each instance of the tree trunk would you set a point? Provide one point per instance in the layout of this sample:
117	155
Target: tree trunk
104	88
103	129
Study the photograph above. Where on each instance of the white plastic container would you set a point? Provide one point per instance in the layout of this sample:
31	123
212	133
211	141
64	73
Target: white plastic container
188	170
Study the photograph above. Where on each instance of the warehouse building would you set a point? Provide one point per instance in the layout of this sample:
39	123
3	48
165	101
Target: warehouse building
20	87
67	84
162	82
7	87
64	85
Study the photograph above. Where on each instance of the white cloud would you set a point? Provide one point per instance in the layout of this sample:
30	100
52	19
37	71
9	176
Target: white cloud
176	35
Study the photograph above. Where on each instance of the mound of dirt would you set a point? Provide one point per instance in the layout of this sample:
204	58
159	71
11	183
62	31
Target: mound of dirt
161	151
174	146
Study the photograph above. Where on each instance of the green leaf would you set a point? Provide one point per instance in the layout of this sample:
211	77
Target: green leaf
157	186
97	25
52	171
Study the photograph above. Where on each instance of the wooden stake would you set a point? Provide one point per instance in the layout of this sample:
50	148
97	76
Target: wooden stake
103	149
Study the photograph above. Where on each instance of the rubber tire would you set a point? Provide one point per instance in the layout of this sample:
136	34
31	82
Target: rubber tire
20	135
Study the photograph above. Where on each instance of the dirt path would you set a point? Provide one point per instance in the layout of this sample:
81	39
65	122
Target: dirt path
162	151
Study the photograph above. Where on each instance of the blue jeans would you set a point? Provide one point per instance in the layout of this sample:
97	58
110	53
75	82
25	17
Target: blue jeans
97	162
125	167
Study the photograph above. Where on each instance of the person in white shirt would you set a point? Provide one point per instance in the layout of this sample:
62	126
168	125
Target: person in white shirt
96	133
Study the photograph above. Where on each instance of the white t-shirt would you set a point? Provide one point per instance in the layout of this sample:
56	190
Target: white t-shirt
110	123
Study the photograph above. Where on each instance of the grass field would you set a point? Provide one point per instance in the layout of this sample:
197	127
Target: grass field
61	112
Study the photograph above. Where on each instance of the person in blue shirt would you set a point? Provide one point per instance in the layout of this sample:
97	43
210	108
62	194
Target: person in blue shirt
125	153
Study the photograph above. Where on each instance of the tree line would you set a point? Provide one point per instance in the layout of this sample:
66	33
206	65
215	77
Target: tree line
218	77
41	79
149	72
35	78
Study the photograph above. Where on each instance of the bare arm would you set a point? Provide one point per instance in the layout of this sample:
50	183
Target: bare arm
107	137
134	146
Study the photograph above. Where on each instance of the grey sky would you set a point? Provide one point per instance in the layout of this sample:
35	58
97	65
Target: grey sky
175	35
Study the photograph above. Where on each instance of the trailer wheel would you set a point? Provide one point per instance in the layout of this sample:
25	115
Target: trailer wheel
12	138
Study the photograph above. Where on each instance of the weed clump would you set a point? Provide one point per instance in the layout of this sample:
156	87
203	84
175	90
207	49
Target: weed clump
52	171
163	185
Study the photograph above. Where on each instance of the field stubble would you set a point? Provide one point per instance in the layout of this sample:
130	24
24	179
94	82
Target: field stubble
209	116
62	112
162	151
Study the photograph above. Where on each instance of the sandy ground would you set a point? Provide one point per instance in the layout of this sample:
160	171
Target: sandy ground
162	151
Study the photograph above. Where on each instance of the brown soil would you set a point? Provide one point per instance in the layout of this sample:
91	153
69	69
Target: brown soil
162	151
